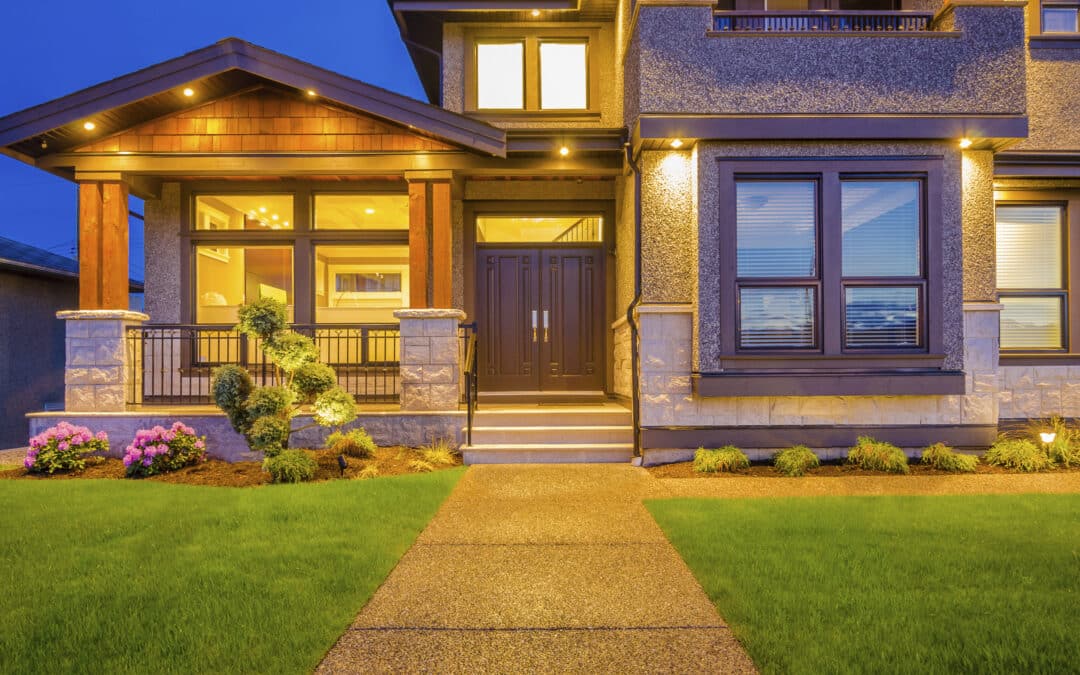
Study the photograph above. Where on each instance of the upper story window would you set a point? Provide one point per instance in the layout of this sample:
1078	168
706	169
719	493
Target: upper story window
1060	17
546	71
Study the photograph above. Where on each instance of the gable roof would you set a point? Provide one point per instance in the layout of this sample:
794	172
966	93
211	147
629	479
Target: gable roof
218	70
15	255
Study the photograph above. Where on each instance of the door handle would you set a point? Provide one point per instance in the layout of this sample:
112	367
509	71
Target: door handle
545	326
534	325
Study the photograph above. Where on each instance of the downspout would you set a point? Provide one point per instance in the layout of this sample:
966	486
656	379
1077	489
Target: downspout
631	320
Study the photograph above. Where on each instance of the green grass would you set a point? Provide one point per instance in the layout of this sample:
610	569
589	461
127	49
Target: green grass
126	576
890	584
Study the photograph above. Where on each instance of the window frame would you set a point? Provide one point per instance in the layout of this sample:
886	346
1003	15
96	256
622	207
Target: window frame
533	37
1069	200
832	352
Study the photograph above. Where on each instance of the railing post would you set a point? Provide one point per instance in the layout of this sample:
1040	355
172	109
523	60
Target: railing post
101	363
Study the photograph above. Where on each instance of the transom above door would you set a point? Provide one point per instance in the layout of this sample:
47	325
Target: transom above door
540	303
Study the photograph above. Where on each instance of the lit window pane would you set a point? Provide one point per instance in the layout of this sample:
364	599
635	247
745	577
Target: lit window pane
1060	20
881	317
881	228
543	229
1029	247
244	212
1031	323
227	277
563	76
776	317
776	228
360	284
500	76
361	212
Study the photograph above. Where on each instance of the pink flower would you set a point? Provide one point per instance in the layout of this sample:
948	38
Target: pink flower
102	436
200	445
64	445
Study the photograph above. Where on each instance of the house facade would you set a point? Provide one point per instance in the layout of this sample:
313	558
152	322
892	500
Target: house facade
686	222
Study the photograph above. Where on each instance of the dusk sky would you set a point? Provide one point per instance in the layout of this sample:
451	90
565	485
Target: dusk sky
53	48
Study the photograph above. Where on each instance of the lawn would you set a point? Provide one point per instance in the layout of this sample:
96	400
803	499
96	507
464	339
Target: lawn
130	576
890	584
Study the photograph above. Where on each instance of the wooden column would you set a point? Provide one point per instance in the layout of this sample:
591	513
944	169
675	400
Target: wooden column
103	245
418	245
442	246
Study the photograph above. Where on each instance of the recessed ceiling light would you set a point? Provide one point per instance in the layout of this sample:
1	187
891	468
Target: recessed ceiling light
677	143
370	212
535	13
189	92
310	92
965	143
89	126
564	151
262	209
285	224
274	217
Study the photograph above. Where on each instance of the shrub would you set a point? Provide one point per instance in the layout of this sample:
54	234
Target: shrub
874	455
291	466
290	350
420	466
1018	453
1065	448
269	435
269	402
160	450
943	458
354	443
726	459
334	408
796	460
369	471
441	451
312	379
263	318
63	448
230	386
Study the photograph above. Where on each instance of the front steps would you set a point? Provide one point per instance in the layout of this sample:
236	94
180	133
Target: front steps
551	434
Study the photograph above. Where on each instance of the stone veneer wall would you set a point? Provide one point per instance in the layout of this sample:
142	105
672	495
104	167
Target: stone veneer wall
1034	392
622	375
430	359
98	358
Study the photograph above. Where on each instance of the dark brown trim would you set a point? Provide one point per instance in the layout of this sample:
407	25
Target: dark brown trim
963	436
870	361
1037	165
1054	42
830	383
1038	359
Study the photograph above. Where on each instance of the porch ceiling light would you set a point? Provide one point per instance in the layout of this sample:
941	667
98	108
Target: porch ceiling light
677	143
189	92
965	143
369	211
311	92
564	151
89	126
535	13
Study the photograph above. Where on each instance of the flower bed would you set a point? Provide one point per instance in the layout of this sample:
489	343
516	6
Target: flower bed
63	448
160	450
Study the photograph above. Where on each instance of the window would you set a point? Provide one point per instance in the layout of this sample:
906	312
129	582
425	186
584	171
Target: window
1031	276
361	212
544	70
1061	17
360	284
244	212
230	276
543	229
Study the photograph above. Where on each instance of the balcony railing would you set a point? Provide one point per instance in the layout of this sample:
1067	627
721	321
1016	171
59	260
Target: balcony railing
821	21
173	364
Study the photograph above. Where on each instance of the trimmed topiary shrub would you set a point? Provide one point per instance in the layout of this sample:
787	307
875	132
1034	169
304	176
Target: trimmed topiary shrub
796	460
312	379
269	435
1018	453
290	350
230	387
63	448
874	455
354	443
160	450
944	458
262	318
725	459
291	466
335	408
269	402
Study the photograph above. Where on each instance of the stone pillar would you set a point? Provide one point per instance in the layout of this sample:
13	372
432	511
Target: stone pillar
430	358
981	351
101	368
665	333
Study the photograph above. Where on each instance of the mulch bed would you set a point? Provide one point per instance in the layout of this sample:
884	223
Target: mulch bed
826	470
390	461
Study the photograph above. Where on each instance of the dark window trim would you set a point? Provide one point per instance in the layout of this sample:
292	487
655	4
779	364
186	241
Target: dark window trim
832	171
845	382
1069	200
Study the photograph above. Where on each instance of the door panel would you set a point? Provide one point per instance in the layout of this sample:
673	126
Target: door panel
572	340
507	293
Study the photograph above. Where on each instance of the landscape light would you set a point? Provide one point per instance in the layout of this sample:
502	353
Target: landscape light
1048	437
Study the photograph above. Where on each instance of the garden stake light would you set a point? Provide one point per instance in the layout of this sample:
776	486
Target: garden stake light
342	464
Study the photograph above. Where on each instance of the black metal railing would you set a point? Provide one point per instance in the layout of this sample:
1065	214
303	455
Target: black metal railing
470	372
821	21
173	364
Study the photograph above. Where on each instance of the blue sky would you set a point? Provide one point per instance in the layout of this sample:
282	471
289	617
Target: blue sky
55	47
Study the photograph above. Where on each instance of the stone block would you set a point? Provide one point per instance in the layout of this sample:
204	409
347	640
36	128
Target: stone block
950	409
981	324
77	376
980	355
445	350
752	411
415	350
979	409
1018	377
79	398
109	397
1026	403
440	327
1050	403
984	383
104	329
1070	399
110	352
412	374
81	356
785	410
77	329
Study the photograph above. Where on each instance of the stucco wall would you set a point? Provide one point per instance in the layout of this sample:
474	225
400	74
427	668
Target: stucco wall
1053	100
669	225
710	322
162	249
682	69
979	240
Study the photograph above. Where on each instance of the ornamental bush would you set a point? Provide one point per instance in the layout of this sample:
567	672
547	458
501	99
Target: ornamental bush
230	386
725	459
1018	453
312	379
354	443
1065	448
291	466
63	448
796	460
944	458
873	455
269	435
160	450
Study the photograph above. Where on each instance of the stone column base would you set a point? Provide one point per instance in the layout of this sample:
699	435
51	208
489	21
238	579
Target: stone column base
430	358
99	365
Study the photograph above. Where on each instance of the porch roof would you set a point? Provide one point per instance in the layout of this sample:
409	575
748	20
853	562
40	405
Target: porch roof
221	69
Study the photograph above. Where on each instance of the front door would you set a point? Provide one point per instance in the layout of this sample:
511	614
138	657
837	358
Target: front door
540	316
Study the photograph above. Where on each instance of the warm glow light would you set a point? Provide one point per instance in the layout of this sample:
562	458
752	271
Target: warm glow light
310	92
535	13
274	217
189	92
1048	437
965	143
677	143
285	224
370	212
564	151
89	126
500	75
262	209
563	76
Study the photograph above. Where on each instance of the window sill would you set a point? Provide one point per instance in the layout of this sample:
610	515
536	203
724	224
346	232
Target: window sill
523	115
831	383
1054	41
1039	359
834	34
849	362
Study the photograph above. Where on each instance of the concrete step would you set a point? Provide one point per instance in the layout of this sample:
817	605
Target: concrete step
554	416
548	453
502	435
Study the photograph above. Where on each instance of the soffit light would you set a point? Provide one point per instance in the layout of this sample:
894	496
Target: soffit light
310	92
564	151
535	13
965	143
189	92
89	126
677	143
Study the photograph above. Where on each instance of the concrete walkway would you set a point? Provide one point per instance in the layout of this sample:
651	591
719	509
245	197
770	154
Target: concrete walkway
541	568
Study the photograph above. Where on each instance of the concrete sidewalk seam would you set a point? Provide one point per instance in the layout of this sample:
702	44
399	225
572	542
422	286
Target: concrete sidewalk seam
531	629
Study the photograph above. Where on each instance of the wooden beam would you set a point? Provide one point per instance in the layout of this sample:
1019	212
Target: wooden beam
442	247
103	245
418	246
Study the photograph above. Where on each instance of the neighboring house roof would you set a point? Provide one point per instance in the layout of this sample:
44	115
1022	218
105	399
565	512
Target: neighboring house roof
221	69
20	257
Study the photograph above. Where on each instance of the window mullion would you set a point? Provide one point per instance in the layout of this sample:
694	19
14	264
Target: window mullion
831	267
532	73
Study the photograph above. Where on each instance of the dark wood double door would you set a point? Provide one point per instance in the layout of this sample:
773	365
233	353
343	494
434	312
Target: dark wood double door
540	318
